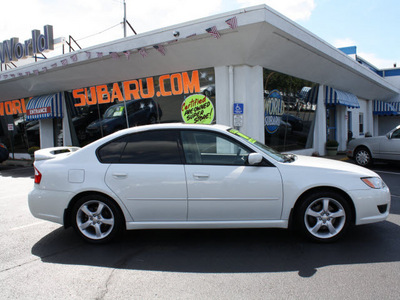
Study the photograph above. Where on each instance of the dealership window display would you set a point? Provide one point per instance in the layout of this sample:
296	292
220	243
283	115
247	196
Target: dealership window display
97	111
290	104
16	132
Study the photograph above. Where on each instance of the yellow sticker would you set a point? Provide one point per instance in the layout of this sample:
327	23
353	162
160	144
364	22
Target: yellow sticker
197	109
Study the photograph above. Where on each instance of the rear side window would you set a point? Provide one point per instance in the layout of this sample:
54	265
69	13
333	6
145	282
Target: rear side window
111	152
150	147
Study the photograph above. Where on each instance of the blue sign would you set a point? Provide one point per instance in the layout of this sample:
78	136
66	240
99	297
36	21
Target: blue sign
238	108
274	109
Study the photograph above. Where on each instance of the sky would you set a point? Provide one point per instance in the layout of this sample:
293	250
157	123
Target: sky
371	25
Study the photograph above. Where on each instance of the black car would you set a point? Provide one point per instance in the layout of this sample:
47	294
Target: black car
140	112
297	123
3	153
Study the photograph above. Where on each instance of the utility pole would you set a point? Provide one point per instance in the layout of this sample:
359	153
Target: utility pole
124	19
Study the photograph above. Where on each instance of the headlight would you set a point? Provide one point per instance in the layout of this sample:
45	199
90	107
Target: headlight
374	182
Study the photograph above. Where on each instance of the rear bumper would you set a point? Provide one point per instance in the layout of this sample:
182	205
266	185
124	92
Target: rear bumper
49	205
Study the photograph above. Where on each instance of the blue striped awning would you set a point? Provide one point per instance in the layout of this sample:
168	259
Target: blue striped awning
44	107
338	97
383	108
304	91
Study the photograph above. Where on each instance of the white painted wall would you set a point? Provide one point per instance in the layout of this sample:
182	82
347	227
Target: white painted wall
241	84
46	133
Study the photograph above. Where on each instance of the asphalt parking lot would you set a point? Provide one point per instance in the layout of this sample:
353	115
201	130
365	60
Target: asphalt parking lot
41	260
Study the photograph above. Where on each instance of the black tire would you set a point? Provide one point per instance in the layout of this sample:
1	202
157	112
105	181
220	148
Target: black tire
97	219
152	120
363	157
324	216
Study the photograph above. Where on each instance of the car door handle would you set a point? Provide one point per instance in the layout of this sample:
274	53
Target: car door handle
120	175
201	176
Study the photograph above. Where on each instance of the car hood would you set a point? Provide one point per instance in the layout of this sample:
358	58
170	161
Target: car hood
331	166
367	140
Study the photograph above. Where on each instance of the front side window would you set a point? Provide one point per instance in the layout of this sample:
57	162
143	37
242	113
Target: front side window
396	134
210	148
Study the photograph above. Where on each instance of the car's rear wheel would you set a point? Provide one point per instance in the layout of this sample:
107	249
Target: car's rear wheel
324	216
97	219
362	156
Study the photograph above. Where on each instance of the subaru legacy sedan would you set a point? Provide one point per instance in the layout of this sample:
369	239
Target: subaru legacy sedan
199	176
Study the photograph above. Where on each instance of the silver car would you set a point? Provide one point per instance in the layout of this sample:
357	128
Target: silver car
365	150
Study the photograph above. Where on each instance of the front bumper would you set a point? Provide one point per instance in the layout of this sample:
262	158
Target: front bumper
371	205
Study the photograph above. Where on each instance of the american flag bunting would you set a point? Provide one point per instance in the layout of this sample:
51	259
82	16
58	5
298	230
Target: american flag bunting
160	49
127	54
114	55
232	22
214	32
143	52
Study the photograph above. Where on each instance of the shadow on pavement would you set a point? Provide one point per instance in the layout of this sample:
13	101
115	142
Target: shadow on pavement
223	251
16	171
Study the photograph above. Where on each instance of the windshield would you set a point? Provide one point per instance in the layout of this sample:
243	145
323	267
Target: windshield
265	149
114	112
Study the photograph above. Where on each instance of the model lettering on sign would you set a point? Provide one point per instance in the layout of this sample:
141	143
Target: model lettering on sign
13	107
168	85
13	50
274	109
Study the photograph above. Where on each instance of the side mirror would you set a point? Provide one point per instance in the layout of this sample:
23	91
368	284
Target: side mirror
254	159
389	135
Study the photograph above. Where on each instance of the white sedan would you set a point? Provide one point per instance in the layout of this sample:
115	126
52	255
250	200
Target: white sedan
200	176
367	149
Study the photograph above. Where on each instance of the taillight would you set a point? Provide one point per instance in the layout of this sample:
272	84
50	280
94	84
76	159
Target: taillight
38	176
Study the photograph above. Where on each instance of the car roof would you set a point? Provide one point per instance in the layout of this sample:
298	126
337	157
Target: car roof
175	126
160	126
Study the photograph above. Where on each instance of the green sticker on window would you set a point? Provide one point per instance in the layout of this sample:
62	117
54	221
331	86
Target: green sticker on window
197	109
238	133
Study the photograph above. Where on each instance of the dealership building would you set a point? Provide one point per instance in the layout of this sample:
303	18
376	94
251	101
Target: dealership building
252	69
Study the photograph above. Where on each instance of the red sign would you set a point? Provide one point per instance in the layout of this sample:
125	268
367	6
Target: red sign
38	111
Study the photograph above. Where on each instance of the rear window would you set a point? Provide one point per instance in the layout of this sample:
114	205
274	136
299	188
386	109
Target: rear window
150	147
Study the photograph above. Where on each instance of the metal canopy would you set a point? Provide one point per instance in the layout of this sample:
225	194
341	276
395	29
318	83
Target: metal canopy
263	38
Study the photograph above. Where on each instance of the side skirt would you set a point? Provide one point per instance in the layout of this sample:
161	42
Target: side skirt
208	224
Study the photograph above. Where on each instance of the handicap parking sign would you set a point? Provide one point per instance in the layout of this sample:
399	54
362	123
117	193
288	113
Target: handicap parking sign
238	108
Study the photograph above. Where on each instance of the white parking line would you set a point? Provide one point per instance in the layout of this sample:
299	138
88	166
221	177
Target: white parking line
26	226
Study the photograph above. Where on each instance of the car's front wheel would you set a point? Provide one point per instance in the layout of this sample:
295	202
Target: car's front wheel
97	219
324	216
363	157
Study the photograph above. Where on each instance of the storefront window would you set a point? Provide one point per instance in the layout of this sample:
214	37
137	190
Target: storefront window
16	132
97	111
290	105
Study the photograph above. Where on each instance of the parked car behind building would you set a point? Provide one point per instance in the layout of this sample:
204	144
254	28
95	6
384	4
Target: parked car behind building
140	112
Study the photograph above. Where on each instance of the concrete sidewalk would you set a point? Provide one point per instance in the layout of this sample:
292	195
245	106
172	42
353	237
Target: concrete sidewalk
339	156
